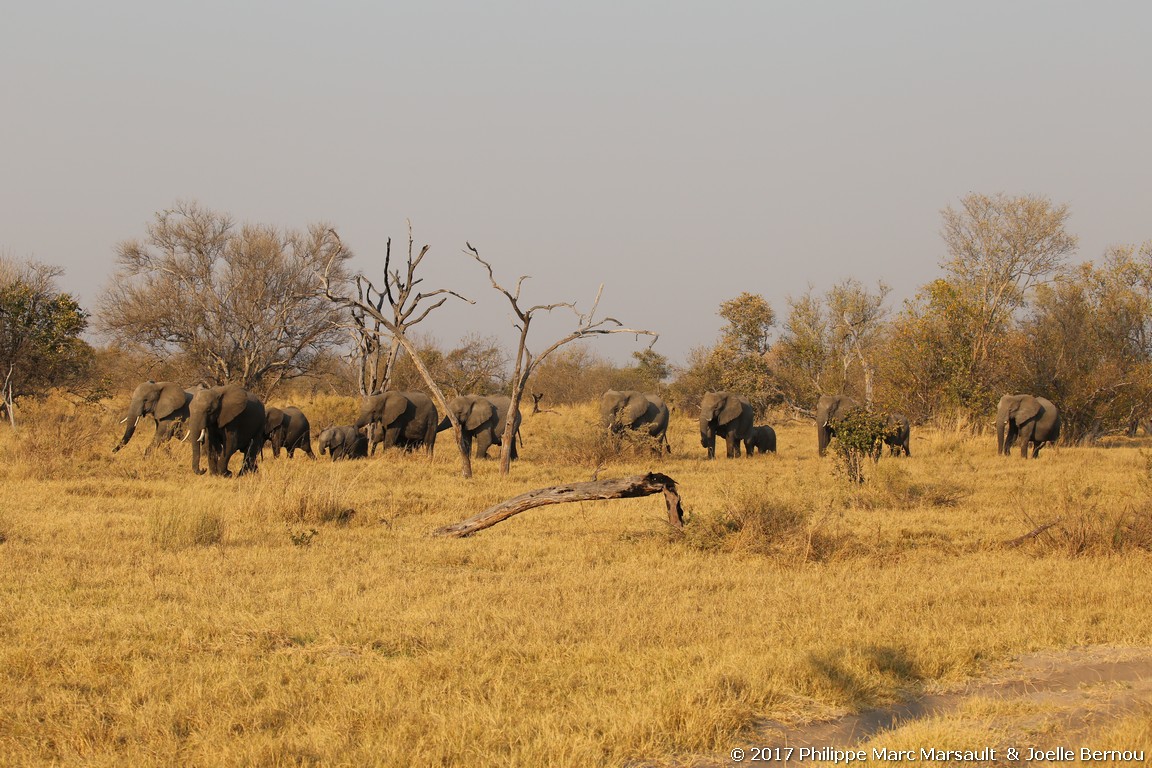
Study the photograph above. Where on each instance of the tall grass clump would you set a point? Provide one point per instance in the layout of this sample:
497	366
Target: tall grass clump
55	434
757	520
1088	523
174	529
891	486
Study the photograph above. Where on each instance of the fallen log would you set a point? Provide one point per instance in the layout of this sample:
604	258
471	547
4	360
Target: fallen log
598	490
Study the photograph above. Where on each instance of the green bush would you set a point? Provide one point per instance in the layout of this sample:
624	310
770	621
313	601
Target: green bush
859	436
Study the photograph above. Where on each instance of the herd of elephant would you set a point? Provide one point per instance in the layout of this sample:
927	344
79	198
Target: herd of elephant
226	420
229	419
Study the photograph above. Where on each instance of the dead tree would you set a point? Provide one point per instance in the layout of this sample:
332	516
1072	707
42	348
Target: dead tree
586	327
405	311
597	490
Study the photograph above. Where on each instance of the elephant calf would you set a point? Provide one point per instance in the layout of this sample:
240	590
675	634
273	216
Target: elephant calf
287	428
344	442
762	439
899	434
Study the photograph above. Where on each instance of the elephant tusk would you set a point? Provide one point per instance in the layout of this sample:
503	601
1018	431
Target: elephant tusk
200	439
123	419
185	438
136	422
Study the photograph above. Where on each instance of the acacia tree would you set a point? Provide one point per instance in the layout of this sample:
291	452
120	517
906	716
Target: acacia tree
239	302
405	310
587	326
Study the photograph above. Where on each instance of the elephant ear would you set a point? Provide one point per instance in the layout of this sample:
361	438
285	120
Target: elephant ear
479	414
172	398
395	404
635	408
731	410
274	419
1028	409
233	401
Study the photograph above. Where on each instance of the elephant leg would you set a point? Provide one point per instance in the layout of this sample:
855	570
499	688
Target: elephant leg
163	432
484	441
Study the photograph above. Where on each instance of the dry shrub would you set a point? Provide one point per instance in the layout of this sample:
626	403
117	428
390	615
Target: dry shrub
175	529
755	522
891	486
592	446
1086	527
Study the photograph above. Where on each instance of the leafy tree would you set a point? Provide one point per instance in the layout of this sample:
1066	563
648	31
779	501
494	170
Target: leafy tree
1087	344
40	327
831	344
998	248
739	362
240	303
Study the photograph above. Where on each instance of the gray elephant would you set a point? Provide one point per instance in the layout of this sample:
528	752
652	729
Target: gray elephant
344	442
899	434
166	402
226	420
1034	420
762	439
727	415
828	409
483	418
404	419
642	412
287	428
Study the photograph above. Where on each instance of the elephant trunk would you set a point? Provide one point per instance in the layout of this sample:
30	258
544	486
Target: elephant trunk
1000	438
708	438
196	428
135	411
364	420
822	438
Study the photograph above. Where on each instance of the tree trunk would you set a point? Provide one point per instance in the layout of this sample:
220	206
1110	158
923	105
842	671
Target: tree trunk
619	488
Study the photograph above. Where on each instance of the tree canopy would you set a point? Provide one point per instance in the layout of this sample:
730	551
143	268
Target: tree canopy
242	303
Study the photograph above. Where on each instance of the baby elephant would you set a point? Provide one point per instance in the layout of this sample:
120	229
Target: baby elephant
763	438
344	442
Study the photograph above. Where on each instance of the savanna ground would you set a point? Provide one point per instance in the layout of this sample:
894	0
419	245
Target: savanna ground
305	616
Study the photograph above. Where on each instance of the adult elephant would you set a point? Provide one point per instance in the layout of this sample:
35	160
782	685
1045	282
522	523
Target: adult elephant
762	439
483	418
165	401
288	428
405	419
899	434
828	409
226	420
634	411
1033	420
726	415
343	442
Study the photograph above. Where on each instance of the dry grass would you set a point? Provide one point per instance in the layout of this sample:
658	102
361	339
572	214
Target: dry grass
303	616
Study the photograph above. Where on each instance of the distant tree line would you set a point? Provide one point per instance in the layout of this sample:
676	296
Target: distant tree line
201	298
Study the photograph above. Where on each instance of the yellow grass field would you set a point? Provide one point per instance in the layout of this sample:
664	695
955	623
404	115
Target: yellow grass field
305	616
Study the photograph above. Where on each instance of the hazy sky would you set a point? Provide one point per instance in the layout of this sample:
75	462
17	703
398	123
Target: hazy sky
678	152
